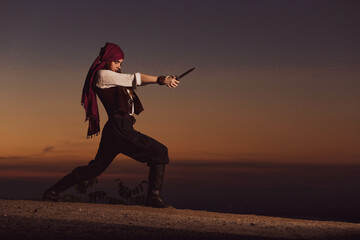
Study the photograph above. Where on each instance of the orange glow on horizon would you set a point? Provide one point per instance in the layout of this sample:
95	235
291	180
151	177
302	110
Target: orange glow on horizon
247	121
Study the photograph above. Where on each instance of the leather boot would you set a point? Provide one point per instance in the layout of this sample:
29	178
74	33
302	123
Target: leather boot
52	194
156	178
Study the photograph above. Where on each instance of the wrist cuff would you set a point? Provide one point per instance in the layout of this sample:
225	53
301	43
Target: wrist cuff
161	80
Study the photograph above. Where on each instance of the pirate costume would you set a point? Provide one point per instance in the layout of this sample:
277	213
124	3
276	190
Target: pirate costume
116	92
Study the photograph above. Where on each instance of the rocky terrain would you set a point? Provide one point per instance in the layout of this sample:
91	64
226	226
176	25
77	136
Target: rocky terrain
22	219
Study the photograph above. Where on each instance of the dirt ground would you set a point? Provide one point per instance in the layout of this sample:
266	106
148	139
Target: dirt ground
20	219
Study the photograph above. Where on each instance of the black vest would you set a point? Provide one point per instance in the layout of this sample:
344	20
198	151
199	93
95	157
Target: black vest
116	99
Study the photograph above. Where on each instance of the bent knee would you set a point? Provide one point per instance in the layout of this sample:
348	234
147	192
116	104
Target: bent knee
163	154
162	149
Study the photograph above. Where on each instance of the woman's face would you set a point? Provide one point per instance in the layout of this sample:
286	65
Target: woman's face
115	65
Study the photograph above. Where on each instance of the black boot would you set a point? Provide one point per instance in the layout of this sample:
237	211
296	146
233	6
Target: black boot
52	194
156	178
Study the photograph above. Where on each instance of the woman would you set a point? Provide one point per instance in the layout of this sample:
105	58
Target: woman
116	92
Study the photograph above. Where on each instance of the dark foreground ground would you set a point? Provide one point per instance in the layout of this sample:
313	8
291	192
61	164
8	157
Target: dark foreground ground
21	219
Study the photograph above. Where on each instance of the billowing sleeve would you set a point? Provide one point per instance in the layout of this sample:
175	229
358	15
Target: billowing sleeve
108	78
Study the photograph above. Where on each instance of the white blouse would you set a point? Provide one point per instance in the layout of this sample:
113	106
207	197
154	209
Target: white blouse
107	79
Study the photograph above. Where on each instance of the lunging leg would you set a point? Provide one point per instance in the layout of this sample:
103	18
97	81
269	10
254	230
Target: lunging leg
156	178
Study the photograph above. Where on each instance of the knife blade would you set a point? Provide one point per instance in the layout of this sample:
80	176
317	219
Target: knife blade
184	74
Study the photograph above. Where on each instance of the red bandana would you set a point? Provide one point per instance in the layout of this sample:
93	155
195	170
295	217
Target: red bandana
110	52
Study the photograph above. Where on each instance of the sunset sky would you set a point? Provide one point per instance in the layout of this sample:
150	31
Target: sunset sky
275	81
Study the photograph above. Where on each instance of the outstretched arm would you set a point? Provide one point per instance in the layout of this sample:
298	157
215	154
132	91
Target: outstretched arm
169	81
107	78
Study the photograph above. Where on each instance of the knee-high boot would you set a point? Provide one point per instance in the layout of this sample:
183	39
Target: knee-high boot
156	178
52	194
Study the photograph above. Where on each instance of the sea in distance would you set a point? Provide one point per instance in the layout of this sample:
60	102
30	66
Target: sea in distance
306	191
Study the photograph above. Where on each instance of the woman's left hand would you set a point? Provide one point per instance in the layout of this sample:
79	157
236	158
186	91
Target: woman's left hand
171	82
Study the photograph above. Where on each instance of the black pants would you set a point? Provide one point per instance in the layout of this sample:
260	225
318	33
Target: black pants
119	136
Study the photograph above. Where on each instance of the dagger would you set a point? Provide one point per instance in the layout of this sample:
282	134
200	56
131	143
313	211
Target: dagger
184	74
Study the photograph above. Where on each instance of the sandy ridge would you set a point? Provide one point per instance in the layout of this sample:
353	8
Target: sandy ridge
19	217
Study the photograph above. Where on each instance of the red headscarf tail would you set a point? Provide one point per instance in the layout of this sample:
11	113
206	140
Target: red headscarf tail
110	52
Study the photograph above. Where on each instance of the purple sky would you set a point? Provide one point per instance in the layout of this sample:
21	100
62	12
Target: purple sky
266	71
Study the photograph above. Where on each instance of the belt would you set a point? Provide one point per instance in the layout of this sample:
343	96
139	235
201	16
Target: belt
119	115
122	115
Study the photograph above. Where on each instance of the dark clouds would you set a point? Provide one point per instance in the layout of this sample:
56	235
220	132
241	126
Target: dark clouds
48	149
